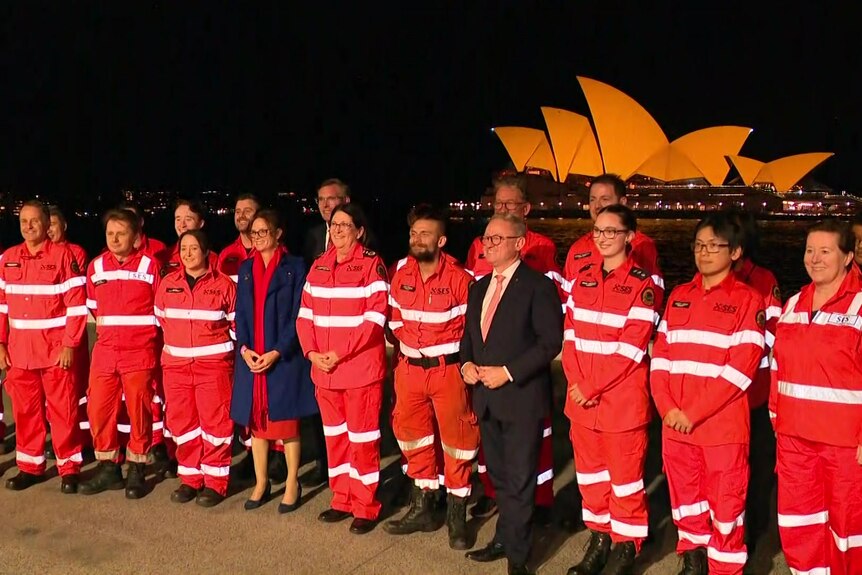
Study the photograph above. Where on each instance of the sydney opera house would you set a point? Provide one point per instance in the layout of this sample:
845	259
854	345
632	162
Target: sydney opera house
698	171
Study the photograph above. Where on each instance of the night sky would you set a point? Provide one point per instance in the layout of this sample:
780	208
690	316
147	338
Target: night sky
400	104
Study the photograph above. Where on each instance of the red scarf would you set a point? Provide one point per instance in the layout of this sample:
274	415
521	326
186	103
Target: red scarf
261	277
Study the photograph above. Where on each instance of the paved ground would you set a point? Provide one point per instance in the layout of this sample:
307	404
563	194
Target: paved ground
43	531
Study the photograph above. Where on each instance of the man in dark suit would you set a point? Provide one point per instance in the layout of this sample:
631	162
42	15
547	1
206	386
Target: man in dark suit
330	194
514	329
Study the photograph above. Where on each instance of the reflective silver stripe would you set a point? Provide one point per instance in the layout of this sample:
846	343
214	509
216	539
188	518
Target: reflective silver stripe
821	394
125	320
43	289
819	518
701	369
433	316
37	323
346	292
123	275
416	443
462	454
201	351
196	314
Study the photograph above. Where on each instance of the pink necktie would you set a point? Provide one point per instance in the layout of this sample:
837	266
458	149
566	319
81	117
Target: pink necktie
492	306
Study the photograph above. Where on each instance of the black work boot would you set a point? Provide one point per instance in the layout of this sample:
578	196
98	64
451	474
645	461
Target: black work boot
136	486
108	477
456	521
161	461
420	516
596	556
622	559
694	562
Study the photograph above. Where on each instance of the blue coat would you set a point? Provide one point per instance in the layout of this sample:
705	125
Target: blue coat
289	387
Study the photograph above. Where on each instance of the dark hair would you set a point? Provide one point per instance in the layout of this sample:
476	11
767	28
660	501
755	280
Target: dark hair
427	212
625	213
200	236
357	215
250	197
193	205
612	180
54	210
46	215
517	181
345	189
272	218
846	239
723	226
857	219
132	207
750	233
128	216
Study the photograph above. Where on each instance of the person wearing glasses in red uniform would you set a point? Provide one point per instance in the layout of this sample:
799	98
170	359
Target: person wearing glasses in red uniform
540	253
195	308
340	327
606	190
609	322
705	357
816	402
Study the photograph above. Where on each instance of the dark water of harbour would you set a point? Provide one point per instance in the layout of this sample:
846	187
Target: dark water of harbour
782	241
782	246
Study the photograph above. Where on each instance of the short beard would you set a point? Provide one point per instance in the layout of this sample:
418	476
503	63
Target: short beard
424	256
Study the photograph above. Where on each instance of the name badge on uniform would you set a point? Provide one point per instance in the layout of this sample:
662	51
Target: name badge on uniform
174	290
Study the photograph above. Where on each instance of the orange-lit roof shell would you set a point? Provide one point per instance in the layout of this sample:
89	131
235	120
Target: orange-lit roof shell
748	168
627	134
573	142
707	148
784	173
520	143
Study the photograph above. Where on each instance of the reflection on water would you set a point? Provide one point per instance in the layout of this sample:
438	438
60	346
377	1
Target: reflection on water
782	245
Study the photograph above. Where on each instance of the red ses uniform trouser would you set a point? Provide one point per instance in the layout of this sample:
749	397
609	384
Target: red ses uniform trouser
708	484
610	470
351	424
425	397
107	392
544	470
819	507
81	375
2	421
30	391
200	424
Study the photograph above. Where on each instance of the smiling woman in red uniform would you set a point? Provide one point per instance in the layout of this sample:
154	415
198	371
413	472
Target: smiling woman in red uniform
609	321
816	404
195	307
340	326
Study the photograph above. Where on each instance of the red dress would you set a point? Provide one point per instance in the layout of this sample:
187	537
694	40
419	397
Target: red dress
261	426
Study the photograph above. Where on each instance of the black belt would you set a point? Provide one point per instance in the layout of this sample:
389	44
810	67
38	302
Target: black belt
429	362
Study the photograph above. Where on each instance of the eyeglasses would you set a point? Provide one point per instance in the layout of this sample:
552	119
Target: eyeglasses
608	233
341	226
259	233
496	240
711	248
510	205
329	199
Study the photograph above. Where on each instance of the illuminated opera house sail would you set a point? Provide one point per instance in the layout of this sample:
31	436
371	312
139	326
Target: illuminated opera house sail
699	170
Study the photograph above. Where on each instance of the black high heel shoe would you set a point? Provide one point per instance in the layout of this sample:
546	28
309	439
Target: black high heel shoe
255	503
291	507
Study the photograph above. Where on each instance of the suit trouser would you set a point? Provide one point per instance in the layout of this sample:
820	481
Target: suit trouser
425	397
200	423
351	423
819	507
31	390
707	485
511	453
106	393
610	468
544	469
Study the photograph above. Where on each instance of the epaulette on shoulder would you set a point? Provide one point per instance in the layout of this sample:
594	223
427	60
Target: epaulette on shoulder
639	273
586	267
369	253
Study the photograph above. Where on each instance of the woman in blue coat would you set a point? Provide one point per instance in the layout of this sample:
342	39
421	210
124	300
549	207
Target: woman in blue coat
272	382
